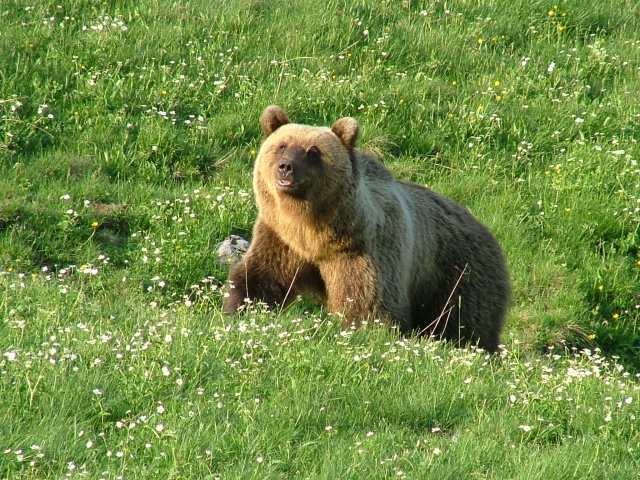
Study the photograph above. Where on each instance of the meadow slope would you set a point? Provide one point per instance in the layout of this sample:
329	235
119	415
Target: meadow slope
127	136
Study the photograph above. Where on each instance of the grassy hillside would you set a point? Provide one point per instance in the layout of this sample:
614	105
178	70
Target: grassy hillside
127	135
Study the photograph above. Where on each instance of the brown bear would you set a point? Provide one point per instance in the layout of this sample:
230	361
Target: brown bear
335	224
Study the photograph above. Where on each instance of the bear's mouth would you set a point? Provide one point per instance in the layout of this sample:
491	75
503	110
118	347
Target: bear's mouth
289	186
286	183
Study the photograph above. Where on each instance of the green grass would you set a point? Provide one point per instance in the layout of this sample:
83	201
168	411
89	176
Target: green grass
127	135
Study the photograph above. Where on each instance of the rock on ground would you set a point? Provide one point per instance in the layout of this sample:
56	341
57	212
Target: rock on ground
231	249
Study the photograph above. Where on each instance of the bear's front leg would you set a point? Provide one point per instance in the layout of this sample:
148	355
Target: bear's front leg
266	273
353	288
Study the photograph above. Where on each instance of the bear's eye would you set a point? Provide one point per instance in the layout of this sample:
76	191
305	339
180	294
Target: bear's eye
282	147
313	154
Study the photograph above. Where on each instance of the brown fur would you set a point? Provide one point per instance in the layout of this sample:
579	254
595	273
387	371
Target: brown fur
364	244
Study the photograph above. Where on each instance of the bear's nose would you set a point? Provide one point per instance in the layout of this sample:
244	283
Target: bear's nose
285	169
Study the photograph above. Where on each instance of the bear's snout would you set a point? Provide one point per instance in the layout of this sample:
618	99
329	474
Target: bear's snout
291	170
285	169
285	177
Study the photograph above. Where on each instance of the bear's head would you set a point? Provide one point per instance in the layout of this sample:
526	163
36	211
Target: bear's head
304	163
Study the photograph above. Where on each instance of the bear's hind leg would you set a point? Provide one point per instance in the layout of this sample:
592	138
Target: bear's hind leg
462	318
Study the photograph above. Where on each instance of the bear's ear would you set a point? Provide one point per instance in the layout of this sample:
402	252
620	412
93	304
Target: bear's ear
271	119
347	130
